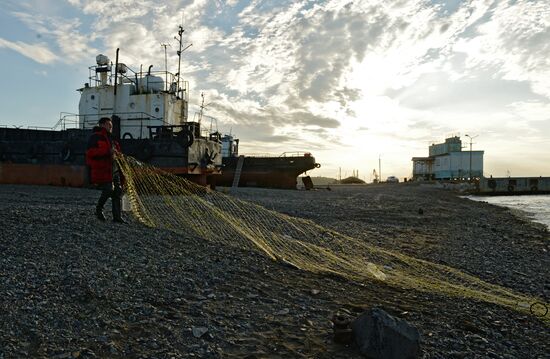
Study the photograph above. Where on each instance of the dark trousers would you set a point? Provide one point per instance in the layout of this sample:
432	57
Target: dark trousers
112	190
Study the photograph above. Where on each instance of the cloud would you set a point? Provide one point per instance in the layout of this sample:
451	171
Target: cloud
73	46
37	52
514	38
311	73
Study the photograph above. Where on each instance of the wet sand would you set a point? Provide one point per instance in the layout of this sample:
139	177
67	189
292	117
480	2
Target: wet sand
75	287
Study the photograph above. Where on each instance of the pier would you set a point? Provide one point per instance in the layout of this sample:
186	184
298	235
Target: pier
507	186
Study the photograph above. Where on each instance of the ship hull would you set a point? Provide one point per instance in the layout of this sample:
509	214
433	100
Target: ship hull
47	157
270	172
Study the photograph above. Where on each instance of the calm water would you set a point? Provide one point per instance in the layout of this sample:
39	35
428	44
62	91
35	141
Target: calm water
538	207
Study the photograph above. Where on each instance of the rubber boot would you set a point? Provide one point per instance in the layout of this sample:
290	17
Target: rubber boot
99	214
117	210
105	194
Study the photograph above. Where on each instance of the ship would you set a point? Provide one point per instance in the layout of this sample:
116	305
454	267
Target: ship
262	170
149	111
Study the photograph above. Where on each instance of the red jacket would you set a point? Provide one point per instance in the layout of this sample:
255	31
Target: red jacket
99	155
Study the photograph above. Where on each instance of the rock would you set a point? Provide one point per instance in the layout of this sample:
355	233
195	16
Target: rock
284	311
458	355
380	335
342	330
315	291
199	331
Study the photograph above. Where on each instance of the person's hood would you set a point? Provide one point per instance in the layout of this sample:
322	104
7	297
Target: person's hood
101	130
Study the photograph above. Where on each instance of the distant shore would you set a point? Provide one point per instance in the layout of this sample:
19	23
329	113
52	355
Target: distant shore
74	287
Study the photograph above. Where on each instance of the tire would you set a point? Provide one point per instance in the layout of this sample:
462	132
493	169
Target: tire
185	139
510	188
127	136
534	189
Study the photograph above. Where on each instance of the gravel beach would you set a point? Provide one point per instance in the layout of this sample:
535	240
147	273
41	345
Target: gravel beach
73	287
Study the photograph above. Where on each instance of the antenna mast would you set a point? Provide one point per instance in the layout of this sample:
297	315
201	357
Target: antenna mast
165	67
178	76
202	107
179	38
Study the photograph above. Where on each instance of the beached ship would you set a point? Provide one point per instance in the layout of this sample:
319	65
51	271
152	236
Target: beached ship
149	112
262	171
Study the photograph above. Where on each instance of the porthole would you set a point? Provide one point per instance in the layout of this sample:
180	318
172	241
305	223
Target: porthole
92	97
157	109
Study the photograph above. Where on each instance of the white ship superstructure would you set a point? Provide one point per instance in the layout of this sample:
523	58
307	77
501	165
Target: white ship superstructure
139	99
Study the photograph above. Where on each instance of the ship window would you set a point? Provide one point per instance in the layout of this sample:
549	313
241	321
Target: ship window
92	97
157	109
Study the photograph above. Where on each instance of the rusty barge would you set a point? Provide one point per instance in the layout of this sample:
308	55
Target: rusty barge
262	170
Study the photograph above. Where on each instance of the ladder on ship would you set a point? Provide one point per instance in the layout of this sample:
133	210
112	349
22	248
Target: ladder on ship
238	171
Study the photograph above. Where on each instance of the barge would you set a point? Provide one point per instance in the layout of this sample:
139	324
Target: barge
262	171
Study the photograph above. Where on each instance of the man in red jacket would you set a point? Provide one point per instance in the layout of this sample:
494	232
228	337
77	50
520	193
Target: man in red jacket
103	168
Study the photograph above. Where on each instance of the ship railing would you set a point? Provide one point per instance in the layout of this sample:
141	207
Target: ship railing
39	128
284	154
191	127
295	154
170	83
73	120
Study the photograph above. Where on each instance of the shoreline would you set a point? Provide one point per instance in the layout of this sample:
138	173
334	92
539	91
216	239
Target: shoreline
72	284
526	213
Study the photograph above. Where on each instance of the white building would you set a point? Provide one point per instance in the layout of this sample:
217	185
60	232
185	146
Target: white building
448	161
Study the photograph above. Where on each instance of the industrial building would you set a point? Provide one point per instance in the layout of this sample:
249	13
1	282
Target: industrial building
447	161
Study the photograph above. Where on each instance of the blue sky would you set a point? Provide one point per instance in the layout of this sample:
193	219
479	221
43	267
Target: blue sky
345	80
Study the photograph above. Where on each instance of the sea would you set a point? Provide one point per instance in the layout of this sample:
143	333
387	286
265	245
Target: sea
537	207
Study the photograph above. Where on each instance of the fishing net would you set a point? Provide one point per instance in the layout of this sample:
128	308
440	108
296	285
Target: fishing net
162	200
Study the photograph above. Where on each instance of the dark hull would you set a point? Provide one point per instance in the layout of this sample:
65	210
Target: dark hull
47	157
269	172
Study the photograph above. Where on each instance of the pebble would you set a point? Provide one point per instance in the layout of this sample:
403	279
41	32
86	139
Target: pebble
133	291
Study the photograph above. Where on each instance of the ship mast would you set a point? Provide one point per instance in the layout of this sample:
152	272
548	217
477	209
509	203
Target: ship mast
179	38
202	107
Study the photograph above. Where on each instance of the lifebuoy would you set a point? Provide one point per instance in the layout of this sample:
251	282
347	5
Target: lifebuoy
185	138
510	188
317	165
534	189
127	136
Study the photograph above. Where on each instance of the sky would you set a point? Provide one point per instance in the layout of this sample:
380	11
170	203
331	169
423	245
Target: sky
348	81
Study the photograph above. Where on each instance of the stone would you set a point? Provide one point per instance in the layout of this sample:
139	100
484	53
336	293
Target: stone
284	311
380	335
199	331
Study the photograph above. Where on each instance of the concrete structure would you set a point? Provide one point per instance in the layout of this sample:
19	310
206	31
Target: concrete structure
514	185
448	161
